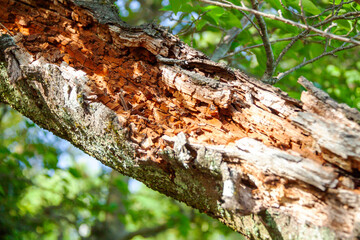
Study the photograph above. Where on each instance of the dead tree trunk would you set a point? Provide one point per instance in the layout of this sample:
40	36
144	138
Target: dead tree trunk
266	165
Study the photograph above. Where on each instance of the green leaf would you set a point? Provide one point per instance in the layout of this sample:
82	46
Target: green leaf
215	13
209	18
29	123
121	185
278	47
344	25
176	5
2	192
166	8
295	95
236	2
75	172
308	6
229	20
22	158
187	8
111	207
260	57
50	160
282	26
315	50
200	24
245	38
4	151
275	4
184	225
181	222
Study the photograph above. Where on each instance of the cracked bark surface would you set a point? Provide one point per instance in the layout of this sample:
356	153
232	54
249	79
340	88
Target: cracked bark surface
144	103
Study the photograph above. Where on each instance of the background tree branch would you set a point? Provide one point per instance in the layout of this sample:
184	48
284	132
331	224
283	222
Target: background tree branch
270	67
271	62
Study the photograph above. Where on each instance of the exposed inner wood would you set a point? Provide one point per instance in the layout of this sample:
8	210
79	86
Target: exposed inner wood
156	106
157	100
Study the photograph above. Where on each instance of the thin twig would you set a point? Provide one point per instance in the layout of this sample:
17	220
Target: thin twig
292	12
188	28
6	29
122	100
261	44
290	22
357	35
330	27
178	21
327	43
245	15
339	8
303	13
352	29
282	75
334	6
286	49
223	47
345	16
302	35
146	232
330	9
267	45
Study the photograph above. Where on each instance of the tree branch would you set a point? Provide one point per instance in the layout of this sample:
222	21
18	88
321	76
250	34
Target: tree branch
261	44
334	6
303	17
270	67
282	75
245	15
286	49
146	232
231	150
290	10
300	36
224	46
290	22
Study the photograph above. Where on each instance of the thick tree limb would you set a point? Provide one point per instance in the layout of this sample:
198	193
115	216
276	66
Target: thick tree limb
224	143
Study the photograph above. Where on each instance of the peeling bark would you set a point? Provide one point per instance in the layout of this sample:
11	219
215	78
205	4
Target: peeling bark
151	107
